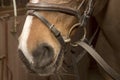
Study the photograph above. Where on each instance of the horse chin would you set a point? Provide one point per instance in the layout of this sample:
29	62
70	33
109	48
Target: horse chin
50	69
45	71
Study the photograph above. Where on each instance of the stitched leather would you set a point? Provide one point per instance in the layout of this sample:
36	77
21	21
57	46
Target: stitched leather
53	7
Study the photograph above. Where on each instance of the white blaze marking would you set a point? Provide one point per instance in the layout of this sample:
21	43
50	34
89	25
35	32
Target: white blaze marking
23	38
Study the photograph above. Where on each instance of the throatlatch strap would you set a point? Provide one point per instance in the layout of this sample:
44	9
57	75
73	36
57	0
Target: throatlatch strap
111	72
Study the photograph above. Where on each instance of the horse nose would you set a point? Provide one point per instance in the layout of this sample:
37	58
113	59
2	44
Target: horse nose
43	55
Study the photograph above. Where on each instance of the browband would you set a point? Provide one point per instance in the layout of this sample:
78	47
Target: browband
53	7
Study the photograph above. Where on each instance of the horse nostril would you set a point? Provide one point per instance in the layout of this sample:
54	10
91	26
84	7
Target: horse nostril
43	55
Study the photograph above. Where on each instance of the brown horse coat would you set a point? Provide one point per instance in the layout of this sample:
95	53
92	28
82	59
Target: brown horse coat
108	44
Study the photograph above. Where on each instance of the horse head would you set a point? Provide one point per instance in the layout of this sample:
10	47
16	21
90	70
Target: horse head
46	31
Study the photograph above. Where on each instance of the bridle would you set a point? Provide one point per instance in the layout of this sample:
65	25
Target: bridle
34	10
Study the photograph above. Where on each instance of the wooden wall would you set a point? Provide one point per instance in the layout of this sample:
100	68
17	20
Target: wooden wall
2	51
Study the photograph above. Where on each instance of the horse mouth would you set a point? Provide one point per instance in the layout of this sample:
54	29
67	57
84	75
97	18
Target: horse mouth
47	70
50	69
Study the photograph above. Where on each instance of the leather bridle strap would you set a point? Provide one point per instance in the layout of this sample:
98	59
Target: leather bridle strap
33	9
49	25
53	7
111	72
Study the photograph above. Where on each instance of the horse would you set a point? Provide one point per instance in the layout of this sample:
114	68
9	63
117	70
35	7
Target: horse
52	26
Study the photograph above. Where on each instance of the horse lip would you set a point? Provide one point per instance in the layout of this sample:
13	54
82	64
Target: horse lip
50	69
44	71
44	66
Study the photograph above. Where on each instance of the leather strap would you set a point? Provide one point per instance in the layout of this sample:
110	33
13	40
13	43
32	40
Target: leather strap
111	72
53	7
49	25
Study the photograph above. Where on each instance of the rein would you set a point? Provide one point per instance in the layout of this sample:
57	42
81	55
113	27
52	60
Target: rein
34	10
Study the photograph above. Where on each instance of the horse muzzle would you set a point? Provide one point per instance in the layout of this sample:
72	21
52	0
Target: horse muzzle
43	56
44	62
